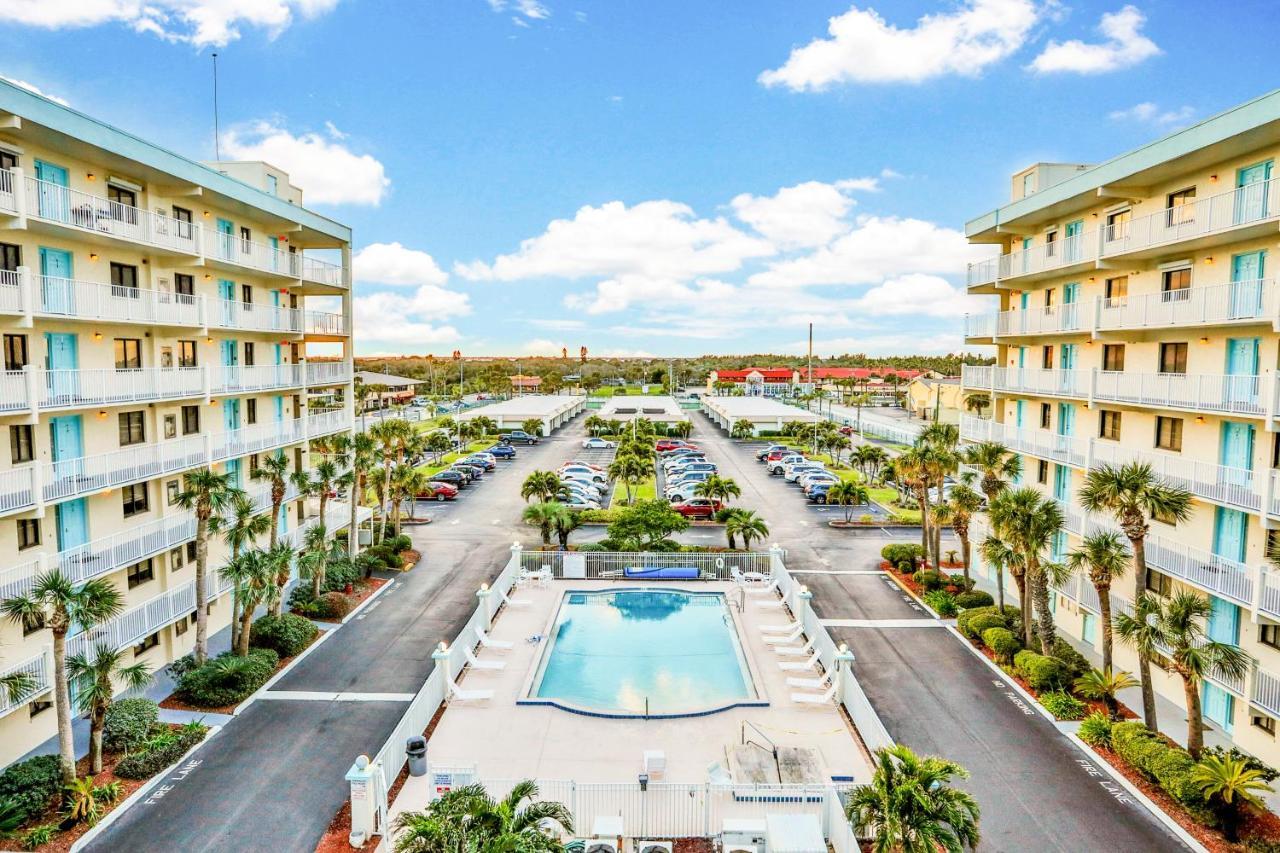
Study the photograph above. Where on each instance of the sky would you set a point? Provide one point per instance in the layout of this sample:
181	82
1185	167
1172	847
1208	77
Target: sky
649	177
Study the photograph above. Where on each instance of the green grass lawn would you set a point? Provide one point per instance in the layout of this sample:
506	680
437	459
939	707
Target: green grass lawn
630	391
645	490
449	458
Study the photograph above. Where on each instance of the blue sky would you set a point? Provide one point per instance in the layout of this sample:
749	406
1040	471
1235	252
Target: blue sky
667	178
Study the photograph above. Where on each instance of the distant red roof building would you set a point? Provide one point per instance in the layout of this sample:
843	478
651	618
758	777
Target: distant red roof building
862	373
755	381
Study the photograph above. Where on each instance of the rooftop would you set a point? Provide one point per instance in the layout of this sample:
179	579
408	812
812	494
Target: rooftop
369	377
526	406
655	408
757	407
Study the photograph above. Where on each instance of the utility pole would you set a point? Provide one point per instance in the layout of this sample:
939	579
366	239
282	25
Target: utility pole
217	145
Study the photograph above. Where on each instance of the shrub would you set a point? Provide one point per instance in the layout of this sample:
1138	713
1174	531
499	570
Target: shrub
287	634
974	598
905	567
227	679
1166	765
399	543
38	836
159	752
1095	730
1063	705
588	547
1002	642
665	545
896	552
128	722
984	623
31	785
337	575
959	582
1040	671
928	580
334	605
182	665
943	603
597	516
1266	771
1076	663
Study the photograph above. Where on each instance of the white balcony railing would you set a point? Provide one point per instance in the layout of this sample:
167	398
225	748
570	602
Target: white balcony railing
1040	320
324	323
10	291
1235	487
248	253
321	272
1042	258
1066	449
8	200
62	389
979	325
65	206
40	669
1266	691
1243	302
328	373
1239	395
136	623
261	377
1236	208
228	314
17	488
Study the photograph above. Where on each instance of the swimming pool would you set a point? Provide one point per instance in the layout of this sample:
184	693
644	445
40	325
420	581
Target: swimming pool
643	652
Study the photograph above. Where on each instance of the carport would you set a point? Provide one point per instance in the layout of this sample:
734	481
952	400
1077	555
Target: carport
764	413
553	410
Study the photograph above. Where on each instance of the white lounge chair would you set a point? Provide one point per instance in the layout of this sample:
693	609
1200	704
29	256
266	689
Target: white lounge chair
799	666
511	602
815	698
778	629
476	663
819	683
784	639
747	579
468	695
770	604
490	643
762	588
795	651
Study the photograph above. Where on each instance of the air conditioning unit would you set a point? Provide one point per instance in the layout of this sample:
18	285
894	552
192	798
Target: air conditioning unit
653	846
742	836
602	845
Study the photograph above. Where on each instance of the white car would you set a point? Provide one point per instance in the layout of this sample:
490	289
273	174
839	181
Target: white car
680	464
579	502
778	466
590	485
597	444
791	473
683	488
583	471
813	478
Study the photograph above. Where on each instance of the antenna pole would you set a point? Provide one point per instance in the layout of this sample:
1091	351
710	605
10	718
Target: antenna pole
217	148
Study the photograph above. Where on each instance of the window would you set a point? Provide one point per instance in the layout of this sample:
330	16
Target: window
190	420
132	430
1113	357
1169	433
1176	284
246	294
251	411
134	498
184	285
38	706
8	160
1046	416
15	352
1160	584
1048	298
149	643
184	224
1117	289
1046	357
181	627
1173	358
187	354
170	426
1181	210
171	492
273	184
176	559
1118	224
28	533
22	443
124	203
1267	724
1050	243
140	573
128	353
1028	184
32	624
10	257
1269	635
191	551
248	353
1042	472
246	240
1165	518
253	463
1109	425
124	280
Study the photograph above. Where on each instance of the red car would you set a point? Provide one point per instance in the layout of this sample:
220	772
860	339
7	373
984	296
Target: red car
662	445
697	508
846	430
775	455
438	492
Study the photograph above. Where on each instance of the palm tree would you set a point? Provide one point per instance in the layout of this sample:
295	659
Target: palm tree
910	805
240	529
281	556
977	401
317	552
631	470
683	428
468	819
543	485
1133	493
742	428
565	523
997	466
1104	684
543	514
359	451
848	495
321	483
254	574
406	482
1105	558
1179	627
391	437
208	495
274	469
961	505
718	488
1029	521
594	424
63	606
533	426
858	401
912	469
438	444
96	681
748	525
997	554
483	425
1229	783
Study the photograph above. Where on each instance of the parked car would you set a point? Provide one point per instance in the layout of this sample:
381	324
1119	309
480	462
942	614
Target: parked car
683	490
773	448
664	445
693	467
457	479
476	471
597	444
676	461
440	491
577	502
776	455
593	485
815	477
581	491
518	436
847	430
779	465
502	451
697	508
817	494
791	473
582	464
584	471
475	459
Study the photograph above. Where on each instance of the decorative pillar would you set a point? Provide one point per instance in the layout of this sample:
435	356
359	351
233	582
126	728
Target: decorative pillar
483	594
363	801
844	669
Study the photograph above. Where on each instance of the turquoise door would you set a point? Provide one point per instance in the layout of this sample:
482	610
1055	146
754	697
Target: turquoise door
73	524
1236	454
275	312
1090	630
1067	362
227	290
281	370
231	415
1218	706
1230	528
226	240
66	435
1242	361
1224	621
279	406
1018	408
1074	234
1066	419
53	199
274	242
1057	553
62	360
1026	256
1252	184
1061	483
235	469
1022	357
57	296
1070	310
1247	271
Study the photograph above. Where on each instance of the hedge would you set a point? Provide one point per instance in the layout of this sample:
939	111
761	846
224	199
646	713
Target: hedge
942	602
1169	766
985	622
286	635
896	552
929	580
334	605
1076	663
964	622
976	598
588	547
227	679
31	785
159	751
1002	642
1041	671
128	722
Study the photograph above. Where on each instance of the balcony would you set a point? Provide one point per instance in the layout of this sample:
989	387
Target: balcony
40	668
1028	380
228	314
8	196
328	373
980	328
1052	320
1218	393
1059	257
261	377
1265	692
1232	487
1065	449
322	272
1238	303
324	324
93	214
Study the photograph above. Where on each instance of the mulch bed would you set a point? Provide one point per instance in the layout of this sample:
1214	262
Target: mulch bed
173	703
411	559
363	590
909	582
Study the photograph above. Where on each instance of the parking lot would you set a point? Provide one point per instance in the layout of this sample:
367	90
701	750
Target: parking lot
820	513
601	458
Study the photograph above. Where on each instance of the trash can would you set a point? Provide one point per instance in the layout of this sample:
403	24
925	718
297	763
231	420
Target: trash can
416	748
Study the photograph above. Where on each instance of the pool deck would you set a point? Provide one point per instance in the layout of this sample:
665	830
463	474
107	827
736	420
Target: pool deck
506	741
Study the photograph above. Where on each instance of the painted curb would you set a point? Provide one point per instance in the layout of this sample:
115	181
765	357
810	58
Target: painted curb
253	697
900	585
139	794
362	605
1005	677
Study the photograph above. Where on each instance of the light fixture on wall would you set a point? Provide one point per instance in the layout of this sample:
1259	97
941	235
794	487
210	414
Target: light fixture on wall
1209	260
207	276
1213	179
1199	419
91	176
93	256
102	414
208	340
97	336
206	214
1204	340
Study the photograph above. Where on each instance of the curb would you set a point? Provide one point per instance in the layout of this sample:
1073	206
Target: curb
918	599
361	606
129	801
324	635
1006	678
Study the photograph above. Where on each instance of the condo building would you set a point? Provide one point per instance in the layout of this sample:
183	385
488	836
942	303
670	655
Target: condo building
1137	321
156	316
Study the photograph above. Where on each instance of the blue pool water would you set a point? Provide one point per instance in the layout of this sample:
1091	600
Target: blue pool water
610	651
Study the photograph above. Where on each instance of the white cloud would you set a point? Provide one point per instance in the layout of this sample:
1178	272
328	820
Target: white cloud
864	48
876	248
395	319
530	9
1149	113
36	90
198	22
808	214
915	294
326	169
392	263
1124	46
941	343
